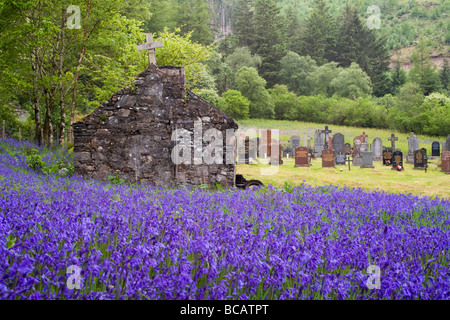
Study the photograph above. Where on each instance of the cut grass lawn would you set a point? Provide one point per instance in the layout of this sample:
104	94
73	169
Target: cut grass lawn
432	183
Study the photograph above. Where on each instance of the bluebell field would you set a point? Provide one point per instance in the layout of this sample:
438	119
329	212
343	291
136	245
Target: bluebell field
142	242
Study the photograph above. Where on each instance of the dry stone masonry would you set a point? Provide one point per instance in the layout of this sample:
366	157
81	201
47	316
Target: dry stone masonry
131	134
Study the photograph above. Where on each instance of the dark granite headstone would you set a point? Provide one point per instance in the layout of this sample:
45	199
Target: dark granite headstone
328	158
302	157
348	148
338	143
435	149
420	159
397	159
387	156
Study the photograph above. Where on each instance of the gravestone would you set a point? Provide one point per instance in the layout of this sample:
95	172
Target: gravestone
435	149
387	156
338	143
241	148
377	149
340	159
364	147
266	141
309	142
420	159
326	132
301	157
295	142
275	154
364	137
328	158
444	147
252	150
445	162
397	160
357	138
255	145
247	150
413	145
318	142
357	156
330	143
392	139
348	149
367	159
447	143
287	153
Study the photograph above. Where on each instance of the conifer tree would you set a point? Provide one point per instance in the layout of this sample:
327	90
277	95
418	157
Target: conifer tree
398	78
318	39
196	16
270	38
357	43
445	75
293	29
243	23
423	71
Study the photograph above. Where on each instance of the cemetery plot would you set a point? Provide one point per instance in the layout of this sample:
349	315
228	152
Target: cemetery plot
420	159
328	158
445	162
387	156
302	158
435	149
397	161
367	159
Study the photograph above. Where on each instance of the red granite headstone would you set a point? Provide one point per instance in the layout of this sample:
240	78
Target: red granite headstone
328	159
445	166
266	142
301	157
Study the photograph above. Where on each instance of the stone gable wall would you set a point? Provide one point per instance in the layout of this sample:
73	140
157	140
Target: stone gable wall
131	133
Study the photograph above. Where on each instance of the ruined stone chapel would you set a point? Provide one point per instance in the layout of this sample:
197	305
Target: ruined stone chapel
131	133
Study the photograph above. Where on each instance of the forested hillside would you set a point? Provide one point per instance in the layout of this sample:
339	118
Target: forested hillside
316	60
402	21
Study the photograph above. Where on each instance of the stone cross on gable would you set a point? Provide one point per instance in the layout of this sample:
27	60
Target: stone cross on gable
392	139
326	132
150	46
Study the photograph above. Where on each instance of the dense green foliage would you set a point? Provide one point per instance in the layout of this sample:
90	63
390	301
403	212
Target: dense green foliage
311	60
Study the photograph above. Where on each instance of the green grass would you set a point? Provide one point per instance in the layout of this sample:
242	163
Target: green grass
432	183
